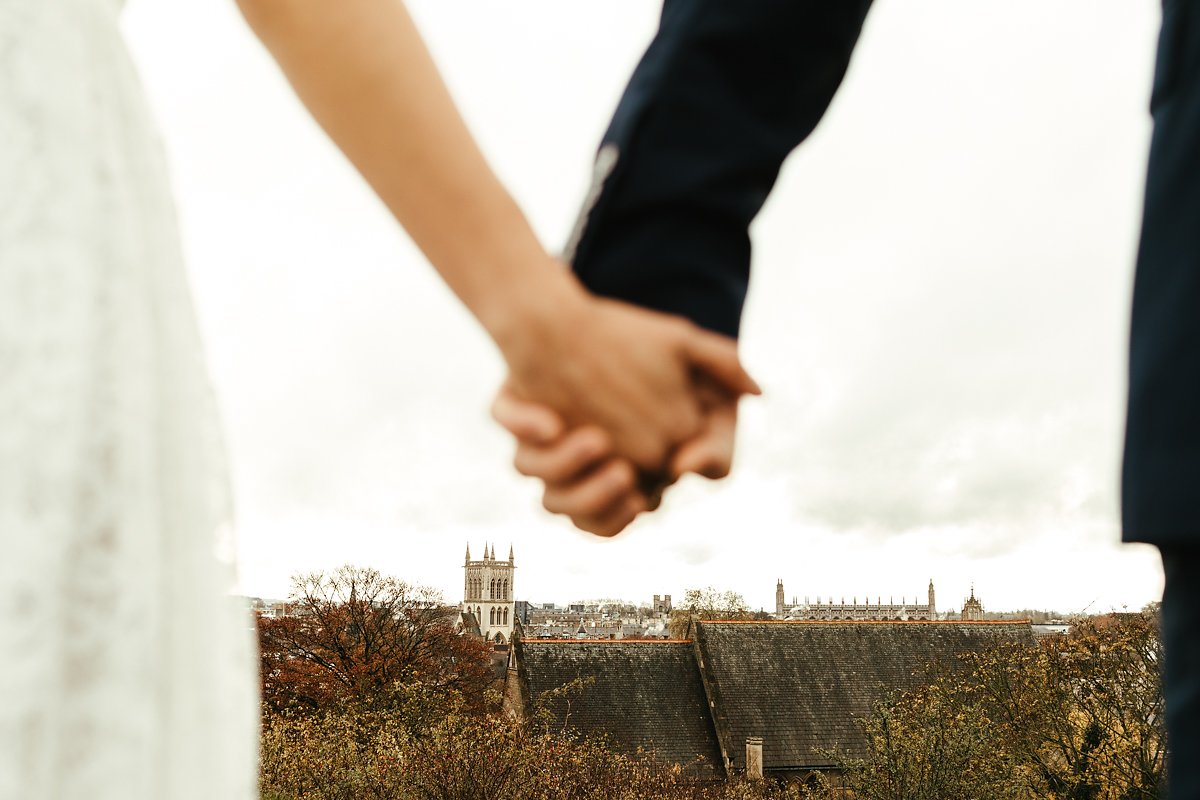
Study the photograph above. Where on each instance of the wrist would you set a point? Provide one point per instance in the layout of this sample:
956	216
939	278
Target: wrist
526	315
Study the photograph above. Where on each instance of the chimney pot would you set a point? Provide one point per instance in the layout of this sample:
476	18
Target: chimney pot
754	758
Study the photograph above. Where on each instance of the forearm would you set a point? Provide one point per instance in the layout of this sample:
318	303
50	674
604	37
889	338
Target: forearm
364	73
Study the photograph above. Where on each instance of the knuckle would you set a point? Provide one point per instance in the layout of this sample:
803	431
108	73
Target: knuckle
621	478
716	470
605	529
552	501
523	463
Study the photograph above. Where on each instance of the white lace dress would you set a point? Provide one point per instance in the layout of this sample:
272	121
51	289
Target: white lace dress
126	670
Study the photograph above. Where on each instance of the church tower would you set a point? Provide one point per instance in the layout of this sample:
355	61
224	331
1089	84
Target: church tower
932	604
488	594
779	602
972	608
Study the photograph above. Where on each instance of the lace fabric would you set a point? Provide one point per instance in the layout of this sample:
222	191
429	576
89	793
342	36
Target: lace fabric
127	668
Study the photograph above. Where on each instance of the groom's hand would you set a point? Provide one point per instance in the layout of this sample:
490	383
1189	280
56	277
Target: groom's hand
628	370
583	479
581	476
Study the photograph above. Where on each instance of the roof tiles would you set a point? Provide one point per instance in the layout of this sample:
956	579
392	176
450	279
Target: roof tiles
801	685
645	695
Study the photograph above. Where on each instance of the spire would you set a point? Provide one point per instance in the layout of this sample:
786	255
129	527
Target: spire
510	553
486	557
468	558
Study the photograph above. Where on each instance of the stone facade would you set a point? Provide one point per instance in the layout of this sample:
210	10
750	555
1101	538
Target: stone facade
855	610
972	608
488	594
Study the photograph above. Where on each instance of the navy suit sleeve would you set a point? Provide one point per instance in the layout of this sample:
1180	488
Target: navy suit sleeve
723	94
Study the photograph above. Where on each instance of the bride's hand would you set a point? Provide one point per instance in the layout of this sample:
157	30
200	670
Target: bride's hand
582	478
633	373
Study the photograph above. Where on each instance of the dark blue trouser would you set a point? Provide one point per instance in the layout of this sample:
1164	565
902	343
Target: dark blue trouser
1181	672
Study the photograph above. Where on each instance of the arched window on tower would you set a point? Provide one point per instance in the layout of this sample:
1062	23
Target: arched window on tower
505	596
505	616
492	589
491	616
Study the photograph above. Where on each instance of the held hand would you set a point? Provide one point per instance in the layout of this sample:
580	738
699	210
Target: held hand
582	477
631	372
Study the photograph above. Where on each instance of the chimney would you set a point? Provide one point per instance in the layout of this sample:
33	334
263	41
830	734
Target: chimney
754	762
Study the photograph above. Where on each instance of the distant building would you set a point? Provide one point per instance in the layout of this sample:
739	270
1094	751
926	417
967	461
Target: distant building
1043	629
597	619
488	594
854	610
799	687
972	608
521	609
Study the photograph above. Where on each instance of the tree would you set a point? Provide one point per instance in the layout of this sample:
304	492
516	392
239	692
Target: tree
933	742
357	634
706	603
1076	717
1083	712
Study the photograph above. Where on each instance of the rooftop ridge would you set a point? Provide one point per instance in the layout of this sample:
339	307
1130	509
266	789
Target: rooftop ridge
865	621
606	641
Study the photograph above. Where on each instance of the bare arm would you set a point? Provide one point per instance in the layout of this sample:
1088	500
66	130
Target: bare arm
364	73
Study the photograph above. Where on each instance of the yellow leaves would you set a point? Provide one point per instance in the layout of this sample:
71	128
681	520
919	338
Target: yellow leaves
356	753
1077	716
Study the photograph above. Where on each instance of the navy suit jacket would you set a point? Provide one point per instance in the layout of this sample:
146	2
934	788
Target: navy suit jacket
728	88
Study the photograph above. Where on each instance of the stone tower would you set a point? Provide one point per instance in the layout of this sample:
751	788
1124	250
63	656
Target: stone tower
488	593
932	605
972	608
779	600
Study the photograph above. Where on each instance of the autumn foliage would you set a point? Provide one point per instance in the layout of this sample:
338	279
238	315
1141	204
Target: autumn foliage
356	635
364	754
1076	717
706	604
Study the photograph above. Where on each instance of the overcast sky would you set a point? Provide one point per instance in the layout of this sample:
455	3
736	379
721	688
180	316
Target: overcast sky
938	312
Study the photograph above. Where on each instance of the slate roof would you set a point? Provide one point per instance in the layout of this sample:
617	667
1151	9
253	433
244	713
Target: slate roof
801	685
646	695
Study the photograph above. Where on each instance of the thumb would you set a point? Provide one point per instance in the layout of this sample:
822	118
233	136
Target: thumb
716	356
529	422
